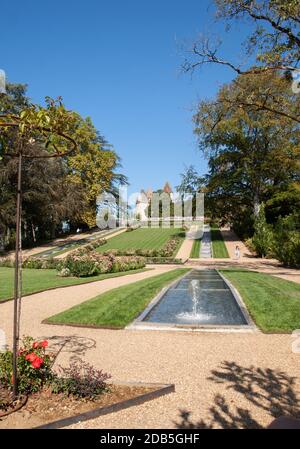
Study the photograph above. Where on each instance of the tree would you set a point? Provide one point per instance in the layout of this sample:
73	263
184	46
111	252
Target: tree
19	134
252	154
93	167
68	189
191	184
262	239
274	43
287	240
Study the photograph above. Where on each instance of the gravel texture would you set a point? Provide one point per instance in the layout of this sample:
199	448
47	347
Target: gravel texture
221	379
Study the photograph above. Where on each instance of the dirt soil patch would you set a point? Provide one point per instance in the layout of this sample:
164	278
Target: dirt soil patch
45	407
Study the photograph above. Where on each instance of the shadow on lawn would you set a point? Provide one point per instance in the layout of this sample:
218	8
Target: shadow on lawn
267	390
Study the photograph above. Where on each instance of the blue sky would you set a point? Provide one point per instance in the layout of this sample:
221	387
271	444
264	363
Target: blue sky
119	63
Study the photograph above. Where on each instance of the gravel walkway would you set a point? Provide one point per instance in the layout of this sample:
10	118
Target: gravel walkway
185	249
221	379
231	240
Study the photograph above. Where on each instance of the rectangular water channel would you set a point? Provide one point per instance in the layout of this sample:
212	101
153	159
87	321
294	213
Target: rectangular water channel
202	297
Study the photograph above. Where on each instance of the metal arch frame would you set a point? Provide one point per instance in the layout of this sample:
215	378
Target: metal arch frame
18	251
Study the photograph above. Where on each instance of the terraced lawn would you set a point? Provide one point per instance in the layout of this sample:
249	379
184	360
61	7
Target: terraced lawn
142	239
39	280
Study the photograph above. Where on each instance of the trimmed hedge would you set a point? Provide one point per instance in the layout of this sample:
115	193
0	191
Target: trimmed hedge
32	262
93	264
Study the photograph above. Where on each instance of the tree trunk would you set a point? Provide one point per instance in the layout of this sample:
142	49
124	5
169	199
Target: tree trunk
33	233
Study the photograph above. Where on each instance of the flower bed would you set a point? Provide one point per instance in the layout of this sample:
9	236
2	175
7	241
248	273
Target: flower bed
90	263
62	396
32	262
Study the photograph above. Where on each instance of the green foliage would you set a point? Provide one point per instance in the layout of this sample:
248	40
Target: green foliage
92	263
253	155
275	38
263	238
57	189
35	371
287	240
34	366
81	380
32	262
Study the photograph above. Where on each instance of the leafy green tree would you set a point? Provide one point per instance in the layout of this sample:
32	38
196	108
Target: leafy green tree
287	240
63	189
262	239
252	154
274	44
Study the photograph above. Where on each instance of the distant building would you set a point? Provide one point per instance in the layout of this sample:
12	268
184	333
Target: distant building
144	199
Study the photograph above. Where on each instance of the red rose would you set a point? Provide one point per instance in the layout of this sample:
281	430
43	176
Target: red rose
35	344
37	362
44	344
31	357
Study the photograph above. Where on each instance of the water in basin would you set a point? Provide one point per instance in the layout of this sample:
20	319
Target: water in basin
200	298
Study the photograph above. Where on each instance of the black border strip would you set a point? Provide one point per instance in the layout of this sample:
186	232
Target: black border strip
161	390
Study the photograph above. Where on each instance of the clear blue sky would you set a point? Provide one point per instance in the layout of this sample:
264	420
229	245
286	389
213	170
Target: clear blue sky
119	63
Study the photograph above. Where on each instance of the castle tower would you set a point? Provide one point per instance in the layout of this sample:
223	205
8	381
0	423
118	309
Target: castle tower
167	188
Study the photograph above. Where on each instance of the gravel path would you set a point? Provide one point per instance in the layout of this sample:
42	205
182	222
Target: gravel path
231	240
221	379
185	249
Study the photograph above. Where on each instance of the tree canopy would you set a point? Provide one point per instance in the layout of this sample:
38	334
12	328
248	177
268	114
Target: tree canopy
55	189
253	154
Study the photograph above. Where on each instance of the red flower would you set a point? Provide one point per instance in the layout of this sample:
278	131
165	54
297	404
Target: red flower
44	344
31	357
35	344
37	362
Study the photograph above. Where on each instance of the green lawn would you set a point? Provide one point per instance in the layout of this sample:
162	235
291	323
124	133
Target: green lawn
118	307
218	245
142	238
273	303
195	253
40	280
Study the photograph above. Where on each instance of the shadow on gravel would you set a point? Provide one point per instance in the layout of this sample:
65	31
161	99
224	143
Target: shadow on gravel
72	344
267	390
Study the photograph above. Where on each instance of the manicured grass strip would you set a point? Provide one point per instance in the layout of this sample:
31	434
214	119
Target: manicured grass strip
39	280
143	238
195	253
118	307
218	245
273	303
